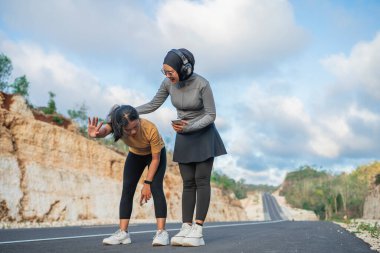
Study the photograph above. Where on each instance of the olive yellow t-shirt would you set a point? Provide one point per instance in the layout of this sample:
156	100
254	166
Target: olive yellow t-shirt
147	140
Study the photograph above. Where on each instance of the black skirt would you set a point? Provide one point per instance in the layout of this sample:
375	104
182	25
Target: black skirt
198	146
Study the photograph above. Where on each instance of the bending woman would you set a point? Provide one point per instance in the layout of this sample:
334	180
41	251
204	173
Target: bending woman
197	140
146	147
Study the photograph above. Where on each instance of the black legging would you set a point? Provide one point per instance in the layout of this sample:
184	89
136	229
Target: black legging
196	189
133	168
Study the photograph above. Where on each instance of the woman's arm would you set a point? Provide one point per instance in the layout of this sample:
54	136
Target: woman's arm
97	131
209	108
146	193
153	166
156	102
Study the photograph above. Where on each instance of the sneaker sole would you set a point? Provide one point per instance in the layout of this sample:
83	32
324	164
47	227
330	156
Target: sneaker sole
200	242
176	243
117	243
159	244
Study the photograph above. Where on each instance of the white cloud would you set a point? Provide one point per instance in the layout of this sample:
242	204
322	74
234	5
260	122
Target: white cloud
346	125
241	35
363	114
73	85
323	145
271	130
228	164
353	100
279	124
359	70
238	36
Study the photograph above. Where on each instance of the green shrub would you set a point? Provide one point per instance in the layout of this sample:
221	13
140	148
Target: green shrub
57	120
229	184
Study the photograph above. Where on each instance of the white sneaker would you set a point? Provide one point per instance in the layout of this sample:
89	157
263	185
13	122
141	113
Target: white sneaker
119	237
178	238
195	237
161	238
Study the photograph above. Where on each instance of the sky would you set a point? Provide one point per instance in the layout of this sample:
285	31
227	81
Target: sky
295	82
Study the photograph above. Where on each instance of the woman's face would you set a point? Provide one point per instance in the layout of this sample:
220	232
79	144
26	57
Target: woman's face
132	128
170	73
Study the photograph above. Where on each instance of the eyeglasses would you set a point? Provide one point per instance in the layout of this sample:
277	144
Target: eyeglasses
167	73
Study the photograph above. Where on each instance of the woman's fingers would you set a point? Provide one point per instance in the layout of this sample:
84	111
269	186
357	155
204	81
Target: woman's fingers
141	200
144	199
100	125
177	128
94	121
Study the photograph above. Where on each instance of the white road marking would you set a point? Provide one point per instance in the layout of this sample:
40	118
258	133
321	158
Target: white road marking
137	232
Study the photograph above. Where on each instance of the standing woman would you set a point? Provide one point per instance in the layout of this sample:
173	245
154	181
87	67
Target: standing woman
197	140
146	148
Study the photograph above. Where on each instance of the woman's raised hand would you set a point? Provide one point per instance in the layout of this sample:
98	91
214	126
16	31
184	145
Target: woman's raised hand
93	129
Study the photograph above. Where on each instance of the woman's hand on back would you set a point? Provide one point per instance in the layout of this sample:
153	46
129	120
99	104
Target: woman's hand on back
93	129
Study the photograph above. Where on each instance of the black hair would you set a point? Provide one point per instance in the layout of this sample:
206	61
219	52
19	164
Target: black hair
120	117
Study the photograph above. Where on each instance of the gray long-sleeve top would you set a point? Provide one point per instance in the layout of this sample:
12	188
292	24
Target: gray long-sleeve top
192	98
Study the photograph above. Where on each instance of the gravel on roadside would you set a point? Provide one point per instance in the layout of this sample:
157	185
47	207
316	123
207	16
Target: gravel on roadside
365	235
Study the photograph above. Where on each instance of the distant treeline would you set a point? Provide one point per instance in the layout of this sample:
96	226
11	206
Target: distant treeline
330	196
239	188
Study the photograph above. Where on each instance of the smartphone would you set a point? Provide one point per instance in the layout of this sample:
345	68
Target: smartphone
177	122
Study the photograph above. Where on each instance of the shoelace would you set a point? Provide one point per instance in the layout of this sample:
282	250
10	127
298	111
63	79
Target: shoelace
159	234
118	233
193	229
187	228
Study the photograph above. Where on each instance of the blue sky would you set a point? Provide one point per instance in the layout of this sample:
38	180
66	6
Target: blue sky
295	82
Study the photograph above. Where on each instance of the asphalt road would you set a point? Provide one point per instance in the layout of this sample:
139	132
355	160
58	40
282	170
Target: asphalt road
270	236
272	210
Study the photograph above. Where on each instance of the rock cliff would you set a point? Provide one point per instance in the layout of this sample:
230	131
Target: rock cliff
49	173
372	204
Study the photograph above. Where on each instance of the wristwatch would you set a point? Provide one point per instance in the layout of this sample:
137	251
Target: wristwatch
147	182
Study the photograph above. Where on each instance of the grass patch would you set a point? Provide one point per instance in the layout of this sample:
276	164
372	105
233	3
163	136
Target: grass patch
373	230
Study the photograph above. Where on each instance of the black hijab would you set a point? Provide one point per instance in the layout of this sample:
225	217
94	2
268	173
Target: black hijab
174	61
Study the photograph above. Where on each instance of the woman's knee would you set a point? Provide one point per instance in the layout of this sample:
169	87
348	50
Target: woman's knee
202	182
189	184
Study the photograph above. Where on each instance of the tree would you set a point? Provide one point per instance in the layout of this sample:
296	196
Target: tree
5	71
377	180
80	116
21	86
51	108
